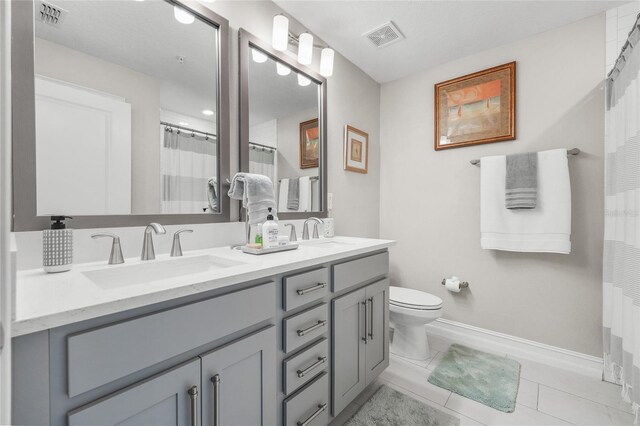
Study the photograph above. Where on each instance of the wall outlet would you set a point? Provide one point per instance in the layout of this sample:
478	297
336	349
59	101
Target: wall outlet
330	201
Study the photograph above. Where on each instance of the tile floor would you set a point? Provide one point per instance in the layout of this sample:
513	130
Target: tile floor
547	395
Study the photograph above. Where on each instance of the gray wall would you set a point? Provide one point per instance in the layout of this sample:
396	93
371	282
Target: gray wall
353	98
430	200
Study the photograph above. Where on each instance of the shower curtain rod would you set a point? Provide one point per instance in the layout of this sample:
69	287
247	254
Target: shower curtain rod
632	40
186	129
259	145
573	151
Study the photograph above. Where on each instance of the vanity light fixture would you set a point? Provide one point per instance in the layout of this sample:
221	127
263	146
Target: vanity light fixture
258	56
280	38
305	48
282	69
303	80
183	16
326	62
207	112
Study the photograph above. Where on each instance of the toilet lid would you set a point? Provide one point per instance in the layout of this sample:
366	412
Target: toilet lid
413	299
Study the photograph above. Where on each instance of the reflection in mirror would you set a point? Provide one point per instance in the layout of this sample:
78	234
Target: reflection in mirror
284	137
126	109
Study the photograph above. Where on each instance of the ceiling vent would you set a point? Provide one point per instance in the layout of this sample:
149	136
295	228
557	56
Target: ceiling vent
384	35
50	14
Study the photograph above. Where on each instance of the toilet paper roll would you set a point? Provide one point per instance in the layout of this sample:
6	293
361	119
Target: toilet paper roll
452	284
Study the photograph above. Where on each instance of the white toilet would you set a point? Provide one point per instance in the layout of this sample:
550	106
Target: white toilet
410	310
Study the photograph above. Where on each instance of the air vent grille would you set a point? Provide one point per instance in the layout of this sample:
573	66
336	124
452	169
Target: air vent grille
50	14
384	35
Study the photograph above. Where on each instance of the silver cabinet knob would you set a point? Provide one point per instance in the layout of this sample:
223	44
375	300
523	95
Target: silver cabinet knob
115	257
176	247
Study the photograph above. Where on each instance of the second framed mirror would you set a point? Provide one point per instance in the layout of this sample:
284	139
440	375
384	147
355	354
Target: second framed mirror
283	127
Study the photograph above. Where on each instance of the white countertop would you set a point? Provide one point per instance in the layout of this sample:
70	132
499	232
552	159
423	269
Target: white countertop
45	301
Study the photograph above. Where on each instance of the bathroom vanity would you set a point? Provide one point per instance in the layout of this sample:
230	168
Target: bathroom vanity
213	338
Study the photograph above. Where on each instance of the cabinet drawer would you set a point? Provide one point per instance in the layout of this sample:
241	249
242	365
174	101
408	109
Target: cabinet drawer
304	327
305	288
310	406
301	368
357	271
99	356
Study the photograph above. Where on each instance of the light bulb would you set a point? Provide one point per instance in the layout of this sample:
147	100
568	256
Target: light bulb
258	56
280	38
183	16
326	62
207	112
303	80
282	69
305	48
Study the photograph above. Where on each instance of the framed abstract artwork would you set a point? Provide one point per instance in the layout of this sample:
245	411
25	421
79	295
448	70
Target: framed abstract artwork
356	150
309	144
477	108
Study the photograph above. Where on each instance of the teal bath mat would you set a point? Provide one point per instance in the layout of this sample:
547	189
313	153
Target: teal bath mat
388	407
489	379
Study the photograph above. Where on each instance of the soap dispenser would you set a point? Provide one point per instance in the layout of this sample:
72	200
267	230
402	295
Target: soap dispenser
270	232
57	246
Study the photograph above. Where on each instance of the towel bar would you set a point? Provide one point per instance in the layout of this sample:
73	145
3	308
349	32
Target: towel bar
573	151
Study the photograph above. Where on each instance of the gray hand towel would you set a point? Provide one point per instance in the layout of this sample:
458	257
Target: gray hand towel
521	183
293	196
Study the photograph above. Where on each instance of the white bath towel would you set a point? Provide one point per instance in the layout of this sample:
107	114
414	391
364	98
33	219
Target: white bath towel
304	201
256	193
547	228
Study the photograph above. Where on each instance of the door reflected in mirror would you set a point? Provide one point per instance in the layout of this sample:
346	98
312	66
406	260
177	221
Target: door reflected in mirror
284	135
126	109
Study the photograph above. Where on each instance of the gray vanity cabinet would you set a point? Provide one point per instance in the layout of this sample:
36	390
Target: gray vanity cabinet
239	382
360	341
163	400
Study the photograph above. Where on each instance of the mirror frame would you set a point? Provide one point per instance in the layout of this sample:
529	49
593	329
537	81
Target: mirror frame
246	42
24	195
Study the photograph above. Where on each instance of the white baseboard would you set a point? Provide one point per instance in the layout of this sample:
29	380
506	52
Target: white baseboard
520	348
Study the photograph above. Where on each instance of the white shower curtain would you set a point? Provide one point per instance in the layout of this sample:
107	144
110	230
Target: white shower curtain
621	274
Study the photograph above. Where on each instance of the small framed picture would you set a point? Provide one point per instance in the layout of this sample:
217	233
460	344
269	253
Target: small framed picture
477	108
356	150
309	144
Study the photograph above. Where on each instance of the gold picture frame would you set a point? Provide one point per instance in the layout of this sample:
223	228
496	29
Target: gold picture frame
476	108
309	144
356	150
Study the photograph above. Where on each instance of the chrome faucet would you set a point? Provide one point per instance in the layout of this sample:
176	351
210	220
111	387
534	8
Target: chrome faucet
148	253
176	247
292	236
115	258
305	229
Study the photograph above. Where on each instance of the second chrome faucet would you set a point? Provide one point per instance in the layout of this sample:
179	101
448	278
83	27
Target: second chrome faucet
148	253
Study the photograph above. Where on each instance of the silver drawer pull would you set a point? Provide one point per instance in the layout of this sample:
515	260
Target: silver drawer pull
321	360
193	395
319	324
216	399
366	311
371	319
304	291
321	408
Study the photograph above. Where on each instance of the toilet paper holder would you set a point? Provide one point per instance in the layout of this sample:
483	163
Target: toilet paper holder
463	284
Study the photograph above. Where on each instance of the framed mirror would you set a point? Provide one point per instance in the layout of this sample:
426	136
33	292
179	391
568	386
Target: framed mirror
120	113
283	127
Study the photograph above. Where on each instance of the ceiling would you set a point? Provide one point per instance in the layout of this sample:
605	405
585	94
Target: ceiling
436	31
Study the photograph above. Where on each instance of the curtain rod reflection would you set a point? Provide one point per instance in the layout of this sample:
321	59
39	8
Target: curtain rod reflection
262	147
186	129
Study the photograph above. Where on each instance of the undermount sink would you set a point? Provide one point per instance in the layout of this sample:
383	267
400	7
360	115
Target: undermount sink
125	275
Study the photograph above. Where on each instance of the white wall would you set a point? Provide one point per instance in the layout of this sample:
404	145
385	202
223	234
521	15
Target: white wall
430	200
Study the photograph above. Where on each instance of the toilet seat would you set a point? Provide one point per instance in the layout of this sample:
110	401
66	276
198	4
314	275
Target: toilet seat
413	299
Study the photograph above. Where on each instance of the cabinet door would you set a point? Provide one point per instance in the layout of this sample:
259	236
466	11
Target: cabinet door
349	376
239	382
163	400
377	347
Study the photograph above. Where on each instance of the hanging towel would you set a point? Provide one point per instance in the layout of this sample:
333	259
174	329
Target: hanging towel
283	193
521	183
293	194
256	193
547	228
304	195
212	194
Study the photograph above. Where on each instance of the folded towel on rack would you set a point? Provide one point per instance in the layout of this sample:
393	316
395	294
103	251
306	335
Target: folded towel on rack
256	193
521	182
293	194
547	228
212	193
